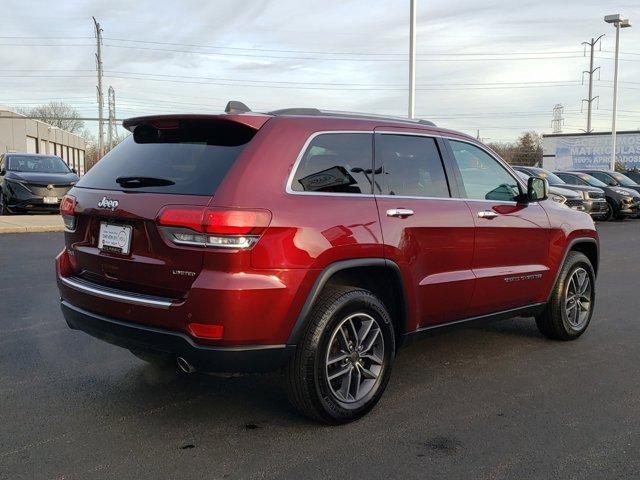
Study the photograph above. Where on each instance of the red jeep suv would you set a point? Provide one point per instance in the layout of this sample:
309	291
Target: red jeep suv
313	242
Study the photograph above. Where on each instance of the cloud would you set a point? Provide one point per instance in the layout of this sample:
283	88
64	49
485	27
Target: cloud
274	45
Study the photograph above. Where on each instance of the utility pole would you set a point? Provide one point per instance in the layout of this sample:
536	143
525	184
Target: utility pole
590	72
100	95
558	119
111	131
412	59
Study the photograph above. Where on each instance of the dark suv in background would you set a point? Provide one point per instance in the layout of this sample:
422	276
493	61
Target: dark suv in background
623	202
613	179
593	198
315	242
33	183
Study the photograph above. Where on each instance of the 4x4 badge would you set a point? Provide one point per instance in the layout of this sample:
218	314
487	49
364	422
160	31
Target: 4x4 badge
108	203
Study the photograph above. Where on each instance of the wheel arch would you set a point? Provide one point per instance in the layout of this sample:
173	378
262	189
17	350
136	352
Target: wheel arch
586	245
380	276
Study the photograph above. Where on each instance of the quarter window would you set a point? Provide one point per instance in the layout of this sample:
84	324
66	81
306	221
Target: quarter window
336	163
483	177
410	166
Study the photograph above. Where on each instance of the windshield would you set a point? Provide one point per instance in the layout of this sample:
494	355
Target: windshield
594	182
623	179
37	164
552	178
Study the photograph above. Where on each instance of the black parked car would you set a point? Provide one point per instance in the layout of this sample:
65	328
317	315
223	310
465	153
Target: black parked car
623	201
613	179
593	198
33	183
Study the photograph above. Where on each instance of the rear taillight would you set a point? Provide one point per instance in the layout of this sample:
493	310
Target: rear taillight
213	227
68	212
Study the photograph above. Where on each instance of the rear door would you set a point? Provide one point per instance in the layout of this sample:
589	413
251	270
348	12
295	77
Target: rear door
426	232
116	241
510	260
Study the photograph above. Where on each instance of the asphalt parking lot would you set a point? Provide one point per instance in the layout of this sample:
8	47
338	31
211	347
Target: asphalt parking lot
485	403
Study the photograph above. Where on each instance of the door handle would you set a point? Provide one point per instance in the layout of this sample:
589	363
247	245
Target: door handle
487	214
399	212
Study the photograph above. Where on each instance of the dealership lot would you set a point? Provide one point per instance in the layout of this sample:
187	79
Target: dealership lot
491	402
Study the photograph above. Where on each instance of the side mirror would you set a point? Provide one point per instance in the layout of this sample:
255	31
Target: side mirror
613	183
74	170
537	189
2	171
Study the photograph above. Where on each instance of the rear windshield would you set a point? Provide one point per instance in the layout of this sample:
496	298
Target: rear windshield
190	160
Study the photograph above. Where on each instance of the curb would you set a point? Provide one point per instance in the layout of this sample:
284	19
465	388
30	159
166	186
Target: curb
29	225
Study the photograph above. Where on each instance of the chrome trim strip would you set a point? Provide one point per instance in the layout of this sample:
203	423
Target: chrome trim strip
112	295
292	174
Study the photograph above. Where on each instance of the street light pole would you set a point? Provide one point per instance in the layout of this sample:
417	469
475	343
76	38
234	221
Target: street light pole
618	23
412	60
615	101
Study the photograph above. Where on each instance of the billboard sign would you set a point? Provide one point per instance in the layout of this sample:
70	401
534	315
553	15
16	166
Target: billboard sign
566	152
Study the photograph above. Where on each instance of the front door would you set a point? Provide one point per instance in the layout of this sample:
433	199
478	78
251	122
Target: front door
510	260
426	232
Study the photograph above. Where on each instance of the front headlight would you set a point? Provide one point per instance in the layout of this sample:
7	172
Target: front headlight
621	192
15	183
557	198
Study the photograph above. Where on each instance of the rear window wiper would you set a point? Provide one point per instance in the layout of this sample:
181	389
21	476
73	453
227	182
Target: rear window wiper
138	182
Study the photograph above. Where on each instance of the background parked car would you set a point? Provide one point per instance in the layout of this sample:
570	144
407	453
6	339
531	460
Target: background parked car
568	198
623	202
593	198
633	175
33	183
613	179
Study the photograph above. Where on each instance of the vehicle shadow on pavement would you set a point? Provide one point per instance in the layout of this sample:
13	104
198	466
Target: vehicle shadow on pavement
257	401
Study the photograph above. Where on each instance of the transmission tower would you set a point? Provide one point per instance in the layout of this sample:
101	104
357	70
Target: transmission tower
592	45
112	128
558	119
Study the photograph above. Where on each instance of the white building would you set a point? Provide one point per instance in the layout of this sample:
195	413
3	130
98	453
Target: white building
24	135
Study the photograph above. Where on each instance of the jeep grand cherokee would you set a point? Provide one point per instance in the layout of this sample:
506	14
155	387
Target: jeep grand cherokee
313	242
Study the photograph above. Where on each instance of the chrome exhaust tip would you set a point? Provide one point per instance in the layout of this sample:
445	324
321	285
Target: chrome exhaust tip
185	366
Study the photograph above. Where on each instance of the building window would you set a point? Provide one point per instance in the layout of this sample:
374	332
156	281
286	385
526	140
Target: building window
32	145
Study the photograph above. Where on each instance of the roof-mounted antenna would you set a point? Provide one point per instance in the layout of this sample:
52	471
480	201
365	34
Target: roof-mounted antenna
236	107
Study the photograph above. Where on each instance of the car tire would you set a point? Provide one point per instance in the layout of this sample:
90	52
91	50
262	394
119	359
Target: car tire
159	360
611	212
570	308
349	330
4	210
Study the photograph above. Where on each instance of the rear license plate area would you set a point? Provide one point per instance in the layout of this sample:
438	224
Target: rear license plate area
115	238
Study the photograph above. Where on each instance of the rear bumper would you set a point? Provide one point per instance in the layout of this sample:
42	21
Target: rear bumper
245	358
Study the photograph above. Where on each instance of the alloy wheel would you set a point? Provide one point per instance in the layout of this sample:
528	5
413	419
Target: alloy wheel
355	357
577	302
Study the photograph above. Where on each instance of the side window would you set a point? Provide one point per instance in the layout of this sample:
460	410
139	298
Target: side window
483	177
337	163
410	166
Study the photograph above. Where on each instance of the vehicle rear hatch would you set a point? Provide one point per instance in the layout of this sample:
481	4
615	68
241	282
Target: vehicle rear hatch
176	161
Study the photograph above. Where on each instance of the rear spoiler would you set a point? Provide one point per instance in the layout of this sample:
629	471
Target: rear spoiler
250	119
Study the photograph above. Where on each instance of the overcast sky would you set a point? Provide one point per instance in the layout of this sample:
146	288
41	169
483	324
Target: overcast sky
497	66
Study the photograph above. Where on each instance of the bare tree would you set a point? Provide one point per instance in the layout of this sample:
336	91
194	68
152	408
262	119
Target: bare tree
527	150
58	114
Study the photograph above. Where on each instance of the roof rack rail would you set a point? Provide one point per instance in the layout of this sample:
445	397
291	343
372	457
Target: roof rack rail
334	113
